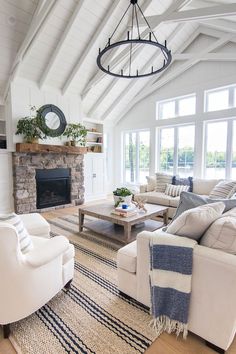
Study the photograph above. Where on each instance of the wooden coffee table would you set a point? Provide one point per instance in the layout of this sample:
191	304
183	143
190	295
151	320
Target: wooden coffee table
107	223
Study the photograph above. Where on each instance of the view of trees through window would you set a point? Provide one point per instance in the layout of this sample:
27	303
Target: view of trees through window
177	150
137	156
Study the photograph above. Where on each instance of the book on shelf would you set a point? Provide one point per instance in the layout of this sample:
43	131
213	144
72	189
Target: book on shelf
127	210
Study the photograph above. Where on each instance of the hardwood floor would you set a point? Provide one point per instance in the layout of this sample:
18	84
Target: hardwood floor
165	344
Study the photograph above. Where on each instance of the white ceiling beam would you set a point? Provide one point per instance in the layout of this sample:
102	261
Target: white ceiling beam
118	99
90	46
42	12
206	13
207	57
221	25
178	4
60	44
172	75
100	74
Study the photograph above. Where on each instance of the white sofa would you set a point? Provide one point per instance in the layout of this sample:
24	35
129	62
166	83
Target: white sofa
212	313
200	186
29	281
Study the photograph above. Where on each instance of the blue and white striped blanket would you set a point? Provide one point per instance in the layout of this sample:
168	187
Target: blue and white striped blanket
171	259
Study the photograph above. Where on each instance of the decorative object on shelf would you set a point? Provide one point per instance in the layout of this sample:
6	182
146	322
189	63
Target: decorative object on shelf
76	133
51	120
28	127
122	195
135	43
139	202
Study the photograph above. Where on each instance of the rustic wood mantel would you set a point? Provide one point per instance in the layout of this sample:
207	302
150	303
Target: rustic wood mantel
56	149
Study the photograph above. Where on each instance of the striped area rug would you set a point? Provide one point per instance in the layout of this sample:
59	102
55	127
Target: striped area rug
92	317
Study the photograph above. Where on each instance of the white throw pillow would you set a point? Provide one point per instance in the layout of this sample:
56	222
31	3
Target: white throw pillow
25	241
194	222
223	190
174	191
151	183
162	179
221	235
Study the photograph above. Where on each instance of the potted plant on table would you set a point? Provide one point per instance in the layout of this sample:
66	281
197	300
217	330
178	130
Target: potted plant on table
122	195
28	127
77	134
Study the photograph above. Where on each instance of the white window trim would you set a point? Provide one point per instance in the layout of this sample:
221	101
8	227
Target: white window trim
176	138
136	131
229	145
231	91
176	102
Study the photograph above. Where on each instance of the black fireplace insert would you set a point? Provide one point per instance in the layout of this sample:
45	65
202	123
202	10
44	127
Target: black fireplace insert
53	187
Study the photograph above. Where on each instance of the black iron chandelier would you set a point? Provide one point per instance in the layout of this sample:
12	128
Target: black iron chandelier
134	42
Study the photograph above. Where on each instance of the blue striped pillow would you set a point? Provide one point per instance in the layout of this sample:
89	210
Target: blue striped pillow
24	238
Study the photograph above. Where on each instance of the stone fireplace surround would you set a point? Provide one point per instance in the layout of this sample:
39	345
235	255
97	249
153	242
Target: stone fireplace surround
24	182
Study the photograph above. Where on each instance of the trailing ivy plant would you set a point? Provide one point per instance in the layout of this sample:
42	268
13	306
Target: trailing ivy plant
28	127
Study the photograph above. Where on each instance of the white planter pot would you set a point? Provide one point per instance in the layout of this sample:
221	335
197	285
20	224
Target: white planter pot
126	200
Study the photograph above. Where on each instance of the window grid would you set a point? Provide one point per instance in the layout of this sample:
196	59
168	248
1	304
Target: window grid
231	97
176	100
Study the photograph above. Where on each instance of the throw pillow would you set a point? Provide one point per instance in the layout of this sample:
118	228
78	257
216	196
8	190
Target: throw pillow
223	190
174	191
190	200
151	183
24	238
183	182
194	222
221	235
162	179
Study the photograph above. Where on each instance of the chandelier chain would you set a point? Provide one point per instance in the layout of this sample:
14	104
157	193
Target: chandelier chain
119	24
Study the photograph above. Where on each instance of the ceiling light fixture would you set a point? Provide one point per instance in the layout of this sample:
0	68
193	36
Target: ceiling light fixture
134	41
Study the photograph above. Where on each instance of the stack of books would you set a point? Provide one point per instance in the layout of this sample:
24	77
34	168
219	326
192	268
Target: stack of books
126	213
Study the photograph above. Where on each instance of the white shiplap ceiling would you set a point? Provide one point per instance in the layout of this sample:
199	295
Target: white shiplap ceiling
55	43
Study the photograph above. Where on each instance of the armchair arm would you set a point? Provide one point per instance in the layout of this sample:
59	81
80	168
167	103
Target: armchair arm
47	251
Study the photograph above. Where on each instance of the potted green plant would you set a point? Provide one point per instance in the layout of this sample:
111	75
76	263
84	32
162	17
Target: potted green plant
122	195
76	133
28	127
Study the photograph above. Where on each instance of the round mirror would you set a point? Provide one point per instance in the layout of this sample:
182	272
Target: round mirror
51	120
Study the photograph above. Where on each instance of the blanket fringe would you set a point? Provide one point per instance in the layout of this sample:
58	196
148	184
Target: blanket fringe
165	324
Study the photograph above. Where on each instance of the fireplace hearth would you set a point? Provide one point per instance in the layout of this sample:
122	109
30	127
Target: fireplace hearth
53	187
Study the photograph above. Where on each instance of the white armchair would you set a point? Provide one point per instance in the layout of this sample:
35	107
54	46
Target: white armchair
29	281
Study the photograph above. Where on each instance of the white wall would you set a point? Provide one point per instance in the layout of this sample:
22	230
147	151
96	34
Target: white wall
24	94
205	75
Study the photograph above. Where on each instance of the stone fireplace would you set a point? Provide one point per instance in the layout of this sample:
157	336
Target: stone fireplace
66	169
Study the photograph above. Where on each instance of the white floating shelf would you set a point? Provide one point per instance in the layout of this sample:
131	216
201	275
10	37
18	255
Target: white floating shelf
93	143
95	133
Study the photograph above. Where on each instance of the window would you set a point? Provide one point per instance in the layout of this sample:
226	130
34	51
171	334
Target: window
216	143
233	175
176	107
136	156
177	150
220	98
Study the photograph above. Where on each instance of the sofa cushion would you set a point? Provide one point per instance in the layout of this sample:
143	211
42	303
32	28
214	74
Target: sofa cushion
190	200
194	222
221	234
24	238
127	257
151	183
204	186
159	198
177	181
174	191
162	179
223	190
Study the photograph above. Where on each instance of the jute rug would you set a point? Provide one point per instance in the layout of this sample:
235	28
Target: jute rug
92	317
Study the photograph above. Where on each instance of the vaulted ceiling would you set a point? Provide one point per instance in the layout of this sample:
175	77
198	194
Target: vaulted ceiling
55	43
